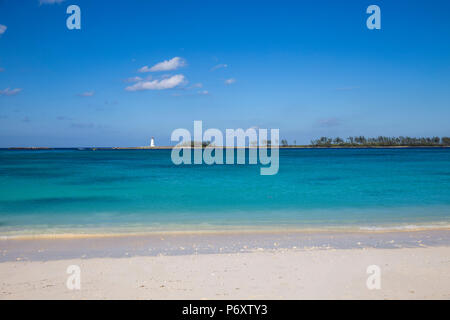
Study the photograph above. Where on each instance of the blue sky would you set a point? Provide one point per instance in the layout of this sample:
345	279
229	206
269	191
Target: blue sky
309	68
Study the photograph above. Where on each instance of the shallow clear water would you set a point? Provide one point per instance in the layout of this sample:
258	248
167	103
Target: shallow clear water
141	189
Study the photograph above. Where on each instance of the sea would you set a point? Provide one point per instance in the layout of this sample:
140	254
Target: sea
106	191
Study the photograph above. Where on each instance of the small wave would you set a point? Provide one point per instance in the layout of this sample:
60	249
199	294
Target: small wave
409	227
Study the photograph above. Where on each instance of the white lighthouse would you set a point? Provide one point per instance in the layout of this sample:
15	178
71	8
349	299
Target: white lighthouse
152	142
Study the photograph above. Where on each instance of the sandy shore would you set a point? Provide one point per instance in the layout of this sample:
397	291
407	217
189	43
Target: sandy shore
407	273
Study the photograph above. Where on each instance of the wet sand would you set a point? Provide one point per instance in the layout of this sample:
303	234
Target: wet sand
180	243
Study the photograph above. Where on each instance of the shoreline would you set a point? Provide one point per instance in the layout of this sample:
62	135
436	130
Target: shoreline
129	231
175	244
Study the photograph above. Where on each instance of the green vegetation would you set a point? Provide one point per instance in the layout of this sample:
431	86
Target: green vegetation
197	144
360	141
381	141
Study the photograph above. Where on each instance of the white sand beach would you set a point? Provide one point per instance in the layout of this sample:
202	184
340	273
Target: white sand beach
406	273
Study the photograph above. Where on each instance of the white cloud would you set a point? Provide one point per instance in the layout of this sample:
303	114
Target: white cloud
166	65
164	76
133	79
9	92
144	69
87	94
203	92
50	1
219	66
230	81
2	29
197	85
168	83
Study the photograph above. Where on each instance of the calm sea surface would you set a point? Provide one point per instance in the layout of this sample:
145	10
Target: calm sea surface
132	190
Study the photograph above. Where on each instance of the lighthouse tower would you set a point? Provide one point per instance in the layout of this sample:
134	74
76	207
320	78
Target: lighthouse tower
152	142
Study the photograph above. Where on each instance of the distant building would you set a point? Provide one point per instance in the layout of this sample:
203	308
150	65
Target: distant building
152	142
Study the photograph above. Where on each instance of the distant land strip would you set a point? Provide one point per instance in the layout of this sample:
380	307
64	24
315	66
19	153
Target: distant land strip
323	142
251	147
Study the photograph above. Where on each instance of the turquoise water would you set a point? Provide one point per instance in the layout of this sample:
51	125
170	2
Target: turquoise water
123	190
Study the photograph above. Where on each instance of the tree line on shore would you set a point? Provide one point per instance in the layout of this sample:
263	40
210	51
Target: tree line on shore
359	141
380	141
